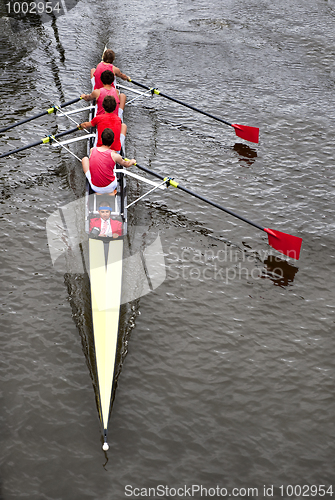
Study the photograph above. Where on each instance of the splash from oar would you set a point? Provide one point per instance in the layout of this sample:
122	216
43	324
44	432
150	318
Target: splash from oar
282	242
250	134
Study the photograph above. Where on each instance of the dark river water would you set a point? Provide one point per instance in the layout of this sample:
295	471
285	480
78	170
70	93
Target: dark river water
228	381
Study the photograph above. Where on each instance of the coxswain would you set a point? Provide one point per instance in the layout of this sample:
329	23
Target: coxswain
108	120
107	226
107	78
106	63
99	168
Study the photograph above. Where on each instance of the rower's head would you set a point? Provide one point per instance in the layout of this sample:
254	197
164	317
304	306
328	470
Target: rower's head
107	137
104	210
109	104
107	77
108	56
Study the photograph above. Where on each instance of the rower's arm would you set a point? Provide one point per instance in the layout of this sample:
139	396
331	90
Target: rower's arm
90	97
124	163
119	73
85	125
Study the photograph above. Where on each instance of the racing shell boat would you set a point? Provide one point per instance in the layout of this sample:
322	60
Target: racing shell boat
109	260
105	269
105	272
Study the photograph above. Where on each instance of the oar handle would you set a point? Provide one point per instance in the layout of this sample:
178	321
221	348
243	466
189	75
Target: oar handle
139	84
220	207
61	134
37	143
157	92
47	112
70	102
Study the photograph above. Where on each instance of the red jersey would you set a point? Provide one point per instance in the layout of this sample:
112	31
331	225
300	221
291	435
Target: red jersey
103	93
97	74
101	167
108	120
115	225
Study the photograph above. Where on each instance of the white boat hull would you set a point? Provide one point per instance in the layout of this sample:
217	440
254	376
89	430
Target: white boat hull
106	282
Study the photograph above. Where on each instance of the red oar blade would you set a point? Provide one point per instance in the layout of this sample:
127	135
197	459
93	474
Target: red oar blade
285	243
250	134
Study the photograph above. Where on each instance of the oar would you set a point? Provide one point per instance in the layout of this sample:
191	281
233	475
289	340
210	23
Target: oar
250	134
285	243
47	139
47	112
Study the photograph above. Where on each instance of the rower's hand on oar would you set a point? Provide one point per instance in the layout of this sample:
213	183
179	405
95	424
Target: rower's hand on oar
84	96
130	162
84	125
124	162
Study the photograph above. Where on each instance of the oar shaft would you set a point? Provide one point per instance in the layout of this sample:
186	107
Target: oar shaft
157	92
37	143
47	112
20	149
61	134
220	207
23	121
195	109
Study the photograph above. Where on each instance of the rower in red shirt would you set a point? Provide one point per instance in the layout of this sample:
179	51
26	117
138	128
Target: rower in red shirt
107	78
106	63
108	120
99	168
